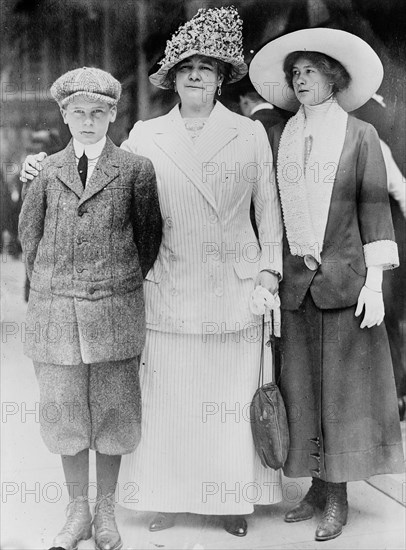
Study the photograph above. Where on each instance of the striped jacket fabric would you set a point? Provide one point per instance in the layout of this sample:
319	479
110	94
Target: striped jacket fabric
209	255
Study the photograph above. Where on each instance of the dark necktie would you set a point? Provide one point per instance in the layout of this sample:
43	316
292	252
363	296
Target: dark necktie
82	168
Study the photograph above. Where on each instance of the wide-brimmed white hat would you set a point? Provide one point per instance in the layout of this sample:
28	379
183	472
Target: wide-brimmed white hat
356	56
214	33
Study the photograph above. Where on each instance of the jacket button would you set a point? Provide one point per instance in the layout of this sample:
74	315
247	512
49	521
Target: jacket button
78	240
213	218
169	222
80	269
310	262
94	289
218	291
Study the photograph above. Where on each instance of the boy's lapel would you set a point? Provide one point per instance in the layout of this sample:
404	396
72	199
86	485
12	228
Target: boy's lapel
105	171
67	170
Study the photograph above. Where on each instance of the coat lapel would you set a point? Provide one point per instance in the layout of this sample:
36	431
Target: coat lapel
172	138
220	129
106	170
67	171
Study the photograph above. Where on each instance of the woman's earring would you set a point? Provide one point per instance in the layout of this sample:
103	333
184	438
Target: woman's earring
219	89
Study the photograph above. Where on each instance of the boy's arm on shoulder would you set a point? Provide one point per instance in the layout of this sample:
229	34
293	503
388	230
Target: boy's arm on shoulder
147	220
31	220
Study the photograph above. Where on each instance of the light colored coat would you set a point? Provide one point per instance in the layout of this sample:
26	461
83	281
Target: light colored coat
86	251
209	255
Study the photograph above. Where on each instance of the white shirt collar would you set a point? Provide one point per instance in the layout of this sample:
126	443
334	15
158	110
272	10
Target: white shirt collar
261	106
92	150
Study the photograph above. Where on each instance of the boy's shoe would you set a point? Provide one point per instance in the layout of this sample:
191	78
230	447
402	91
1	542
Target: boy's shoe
106	534
78	525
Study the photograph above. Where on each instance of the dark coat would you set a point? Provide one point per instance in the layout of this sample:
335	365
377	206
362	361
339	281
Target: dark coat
337	379
271	117
87	252
359	214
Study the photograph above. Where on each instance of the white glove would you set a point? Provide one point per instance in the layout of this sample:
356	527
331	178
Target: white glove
262	302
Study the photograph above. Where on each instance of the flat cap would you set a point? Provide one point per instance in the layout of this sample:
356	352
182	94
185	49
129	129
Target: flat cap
94	83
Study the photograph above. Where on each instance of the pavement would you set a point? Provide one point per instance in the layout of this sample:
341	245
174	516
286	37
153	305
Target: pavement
34	497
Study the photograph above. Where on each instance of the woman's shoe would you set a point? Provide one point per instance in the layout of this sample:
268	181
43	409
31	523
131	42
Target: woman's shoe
335	513
315	498
162	521
236	525
78	525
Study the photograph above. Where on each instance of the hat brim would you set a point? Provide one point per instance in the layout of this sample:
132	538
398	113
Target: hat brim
356	56
90	96
238	69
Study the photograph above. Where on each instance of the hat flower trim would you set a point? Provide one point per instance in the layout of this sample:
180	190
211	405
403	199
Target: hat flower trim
212	32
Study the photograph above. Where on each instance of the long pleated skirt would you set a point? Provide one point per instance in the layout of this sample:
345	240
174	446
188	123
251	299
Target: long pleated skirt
338	387
196	452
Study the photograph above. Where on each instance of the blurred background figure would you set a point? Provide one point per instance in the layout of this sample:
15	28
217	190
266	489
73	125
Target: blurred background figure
394	291
255	107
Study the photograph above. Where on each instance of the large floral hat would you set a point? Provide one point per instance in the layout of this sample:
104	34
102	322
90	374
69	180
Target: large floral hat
214	33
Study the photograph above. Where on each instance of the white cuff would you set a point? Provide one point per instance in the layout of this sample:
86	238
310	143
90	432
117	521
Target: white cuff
384	253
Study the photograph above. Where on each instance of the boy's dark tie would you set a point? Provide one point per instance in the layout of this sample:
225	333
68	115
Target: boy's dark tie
82	167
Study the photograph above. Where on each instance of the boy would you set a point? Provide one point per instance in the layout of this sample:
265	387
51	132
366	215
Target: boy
90	228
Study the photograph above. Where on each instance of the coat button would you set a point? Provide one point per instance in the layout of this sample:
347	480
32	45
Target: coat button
213	218
94	289
218	291
310	262
172	257
173	291
79	269
78	240
169	222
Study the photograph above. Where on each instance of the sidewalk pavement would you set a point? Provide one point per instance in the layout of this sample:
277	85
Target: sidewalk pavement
34	497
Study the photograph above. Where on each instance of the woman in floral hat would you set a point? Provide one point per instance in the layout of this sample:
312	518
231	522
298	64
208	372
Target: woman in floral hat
337	378
202	355
200	364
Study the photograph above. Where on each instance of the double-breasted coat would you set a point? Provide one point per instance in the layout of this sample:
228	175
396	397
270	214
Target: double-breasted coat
337	379
209	256
86	253
202	342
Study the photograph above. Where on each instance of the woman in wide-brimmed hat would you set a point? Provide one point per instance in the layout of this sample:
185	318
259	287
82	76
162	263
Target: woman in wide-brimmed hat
336	377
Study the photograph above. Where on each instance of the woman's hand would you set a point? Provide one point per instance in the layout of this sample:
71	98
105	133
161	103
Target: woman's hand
32	167
268	280
372	301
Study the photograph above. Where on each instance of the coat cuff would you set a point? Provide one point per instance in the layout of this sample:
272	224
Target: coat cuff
384	253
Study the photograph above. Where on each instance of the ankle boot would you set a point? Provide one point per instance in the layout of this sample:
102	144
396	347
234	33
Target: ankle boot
78	525
335	513
106	534
315	498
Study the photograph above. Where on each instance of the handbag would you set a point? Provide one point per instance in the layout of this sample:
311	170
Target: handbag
269	424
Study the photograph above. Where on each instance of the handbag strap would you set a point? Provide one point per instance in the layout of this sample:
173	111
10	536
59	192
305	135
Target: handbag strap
270	342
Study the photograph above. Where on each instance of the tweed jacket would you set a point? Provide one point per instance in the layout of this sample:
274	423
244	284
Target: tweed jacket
359	214
209	256
86	252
